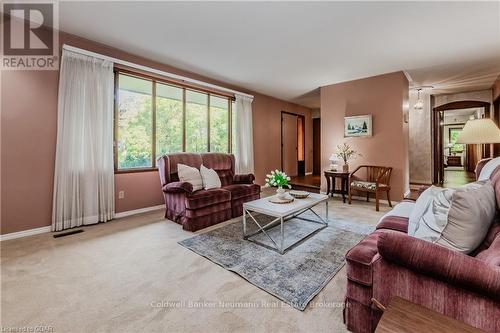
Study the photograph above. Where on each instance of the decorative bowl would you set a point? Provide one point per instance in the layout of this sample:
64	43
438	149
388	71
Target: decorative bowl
299	194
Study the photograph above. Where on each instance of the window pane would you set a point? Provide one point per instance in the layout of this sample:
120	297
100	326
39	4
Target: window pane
233	127
134	122
196	122
168	119
219	126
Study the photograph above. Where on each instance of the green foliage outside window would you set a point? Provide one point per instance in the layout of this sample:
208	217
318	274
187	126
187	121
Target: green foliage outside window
135	122
168	119
456	147
134	130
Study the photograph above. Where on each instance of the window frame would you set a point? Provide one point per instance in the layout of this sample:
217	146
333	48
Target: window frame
154	80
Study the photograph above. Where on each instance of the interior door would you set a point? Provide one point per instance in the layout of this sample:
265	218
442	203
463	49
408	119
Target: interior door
289	147
316	146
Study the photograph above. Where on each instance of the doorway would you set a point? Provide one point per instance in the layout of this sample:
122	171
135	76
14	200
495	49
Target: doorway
316	146
293	144
454	163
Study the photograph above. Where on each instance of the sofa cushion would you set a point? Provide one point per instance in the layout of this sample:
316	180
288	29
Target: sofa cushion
190	175
364	185
167	165
210	178
223	164
204	198
242	190
487	169
360	257
457	219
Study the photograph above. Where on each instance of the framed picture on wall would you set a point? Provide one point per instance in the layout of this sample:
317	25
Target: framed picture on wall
358	126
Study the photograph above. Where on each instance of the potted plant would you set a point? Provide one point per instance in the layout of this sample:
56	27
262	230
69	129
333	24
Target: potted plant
278	179
346	154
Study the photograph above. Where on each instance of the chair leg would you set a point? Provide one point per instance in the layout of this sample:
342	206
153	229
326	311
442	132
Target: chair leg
389	199
376	201
367	196
350	195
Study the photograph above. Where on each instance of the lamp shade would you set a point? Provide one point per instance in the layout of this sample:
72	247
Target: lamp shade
479	131
333	158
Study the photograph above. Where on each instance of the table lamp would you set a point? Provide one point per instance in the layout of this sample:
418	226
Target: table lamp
333	162
479	131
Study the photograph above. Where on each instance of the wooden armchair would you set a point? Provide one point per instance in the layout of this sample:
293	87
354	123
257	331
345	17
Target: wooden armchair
377	181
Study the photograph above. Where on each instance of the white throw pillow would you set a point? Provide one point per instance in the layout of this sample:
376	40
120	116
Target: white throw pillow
488	169
210	178
419	208
190	175
454	218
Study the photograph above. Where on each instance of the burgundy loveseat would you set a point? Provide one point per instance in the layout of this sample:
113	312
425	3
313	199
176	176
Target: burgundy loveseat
200	209
390	263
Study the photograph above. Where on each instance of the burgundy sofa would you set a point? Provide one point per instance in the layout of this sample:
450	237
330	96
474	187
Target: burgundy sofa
390	263
200	209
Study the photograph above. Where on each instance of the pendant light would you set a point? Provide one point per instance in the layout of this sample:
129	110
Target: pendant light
419	105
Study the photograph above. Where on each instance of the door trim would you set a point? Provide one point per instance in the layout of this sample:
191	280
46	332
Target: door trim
437	135
303	136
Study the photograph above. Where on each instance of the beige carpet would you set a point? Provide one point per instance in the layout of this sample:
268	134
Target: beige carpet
113	276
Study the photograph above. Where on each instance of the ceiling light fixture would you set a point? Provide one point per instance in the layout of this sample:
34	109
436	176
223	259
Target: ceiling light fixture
419	105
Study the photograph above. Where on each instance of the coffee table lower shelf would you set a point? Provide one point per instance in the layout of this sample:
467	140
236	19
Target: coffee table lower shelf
253	209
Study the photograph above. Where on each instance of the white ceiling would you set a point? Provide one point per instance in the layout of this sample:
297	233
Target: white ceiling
288	50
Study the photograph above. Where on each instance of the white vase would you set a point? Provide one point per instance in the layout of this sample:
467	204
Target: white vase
281	193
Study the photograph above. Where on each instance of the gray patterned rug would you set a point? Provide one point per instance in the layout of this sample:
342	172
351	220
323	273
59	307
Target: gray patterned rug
295	277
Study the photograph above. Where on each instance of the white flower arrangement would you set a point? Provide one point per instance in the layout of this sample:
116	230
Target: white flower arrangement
277	179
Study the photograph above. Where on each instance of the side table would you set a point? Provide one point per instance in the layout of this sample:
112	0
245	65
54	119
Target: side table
331	177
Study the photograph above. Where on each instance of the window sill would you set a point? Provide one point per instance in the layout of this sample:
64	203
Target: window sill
120	171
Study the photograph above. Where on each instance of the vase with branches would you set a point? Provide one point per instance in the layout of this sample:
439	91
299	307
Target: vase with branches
346	154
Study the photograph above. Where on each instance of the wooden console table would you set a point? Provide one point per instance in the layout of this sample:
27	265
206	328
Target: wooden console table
404	316
331	176
454	161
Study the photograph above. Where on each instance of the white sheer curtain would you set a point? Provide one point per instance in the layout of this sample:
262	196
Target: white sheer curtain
84	170
244	135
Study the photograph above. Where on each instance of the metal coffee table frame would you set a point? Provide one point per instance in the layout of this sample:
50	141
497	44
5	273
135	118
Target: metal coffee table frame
282	219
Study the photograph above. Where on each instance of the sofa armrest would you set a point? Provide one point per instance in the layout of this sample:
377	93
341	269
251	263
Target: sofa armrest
440	263
244	178
480	165
177	187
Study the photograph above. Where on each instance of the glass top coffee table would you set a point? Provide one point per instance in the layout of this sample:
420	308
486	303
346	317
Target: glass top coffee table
281	214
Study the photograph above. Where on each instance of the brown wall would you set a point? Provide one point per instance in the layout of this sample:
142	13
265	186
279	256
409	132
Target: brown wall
28	138
383	96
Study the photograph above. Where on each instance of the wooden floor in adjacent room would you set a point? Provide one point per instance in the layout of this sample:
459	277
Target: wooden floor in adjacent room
454	178
309	183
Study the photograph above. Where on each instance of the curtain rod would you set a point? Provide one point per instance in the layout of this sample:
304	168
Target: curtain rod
155	71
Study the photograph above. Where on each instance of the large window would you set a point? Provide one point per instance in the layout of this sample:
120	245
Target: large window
219	124
135	119
196	121
154	118
169	121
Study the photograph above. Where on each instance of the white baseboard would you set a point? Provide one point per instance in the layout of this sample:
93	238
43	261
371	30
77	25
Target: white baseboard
137	211
25	233
36	231
308	173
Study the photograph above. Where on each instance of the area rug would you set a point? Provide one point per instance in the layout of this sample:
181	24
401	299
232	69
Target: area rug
295	277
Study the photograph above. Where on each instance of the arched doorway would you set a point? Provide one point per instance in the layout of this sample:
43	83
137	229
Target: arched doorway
438	133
